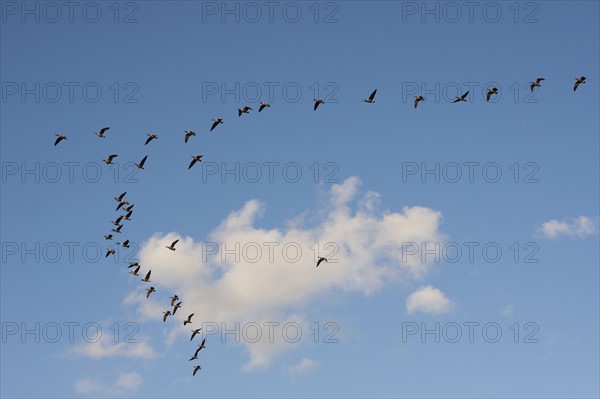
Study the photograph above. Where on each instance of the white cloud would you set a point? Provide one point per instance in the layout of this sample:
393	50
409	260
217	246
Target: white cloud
428	300
105	347
579	227
508	311
365	251
129	381
305	366
124	383
88	386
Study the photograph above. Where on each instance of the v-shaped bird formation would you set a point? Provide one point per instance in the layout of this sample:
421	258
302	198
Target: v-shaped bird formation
175	302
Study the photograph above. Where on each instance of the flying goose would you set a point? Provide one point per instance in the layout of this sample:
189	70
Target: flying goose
118	229
197	158
371	98
149	291
108	236
166	314
120	198
194	332
461	98
491	91
110	252
263	105
127	216
101	132
189	320
418	99
118	221
535	84
124	244
141	164
196	368
195	357
244	110
578	81
216	123
151	137
196	353
188	134
321	259
147	278
128	208
60	137
135	271
177	306
108	160
317	102
133	264
172	246
173	299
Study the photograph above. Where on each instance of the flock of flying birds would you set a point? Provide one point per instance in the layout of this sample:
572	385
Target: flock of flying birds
175	303
317	102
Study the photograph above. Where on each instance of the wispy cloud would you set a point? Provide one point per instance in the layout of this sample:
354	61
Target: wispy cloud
124	383
229	285
428	300
581	227
105	347
508	311
305	366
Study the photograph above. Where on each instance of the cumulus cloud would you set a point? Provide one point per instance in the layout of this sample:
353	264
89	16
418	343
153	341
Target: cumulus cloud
244	273
124	383
578	227
105	347
305	366
428	300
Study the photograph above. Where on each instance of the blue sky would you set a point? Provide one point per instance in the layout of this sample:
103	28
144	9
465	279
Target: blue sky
157	67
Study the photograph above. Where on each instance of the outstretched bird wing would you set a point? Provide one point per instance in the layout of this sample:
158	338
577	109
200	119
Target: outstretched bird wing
143	161
372	96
